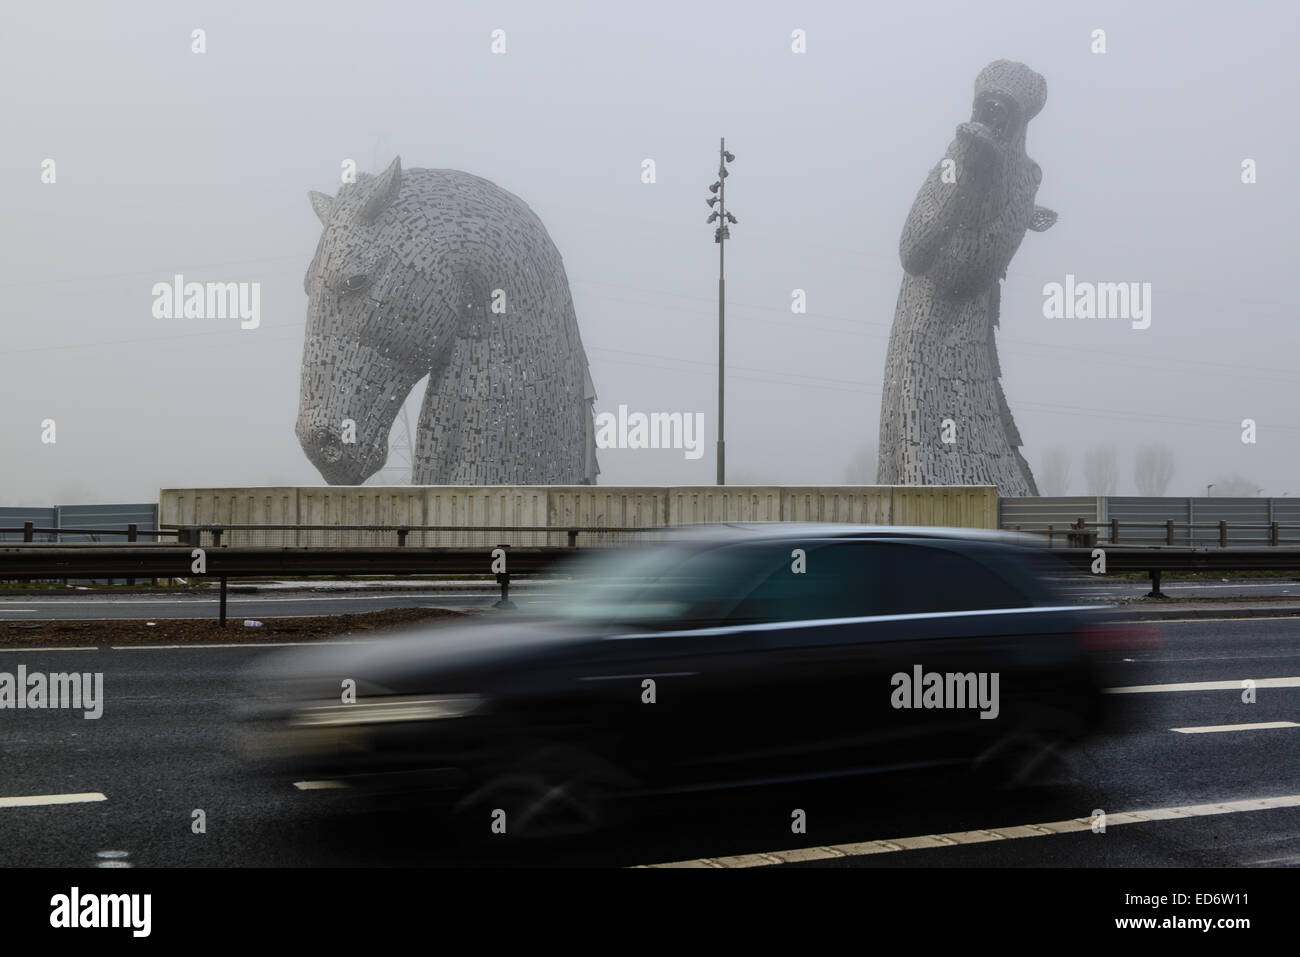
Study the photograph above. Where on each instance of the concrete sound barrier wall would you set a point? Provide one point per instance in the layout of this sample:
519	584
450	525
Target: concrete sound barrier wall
564	506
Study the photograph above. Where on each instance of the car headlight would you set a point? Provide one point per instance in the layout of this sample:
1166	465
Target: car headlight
388	709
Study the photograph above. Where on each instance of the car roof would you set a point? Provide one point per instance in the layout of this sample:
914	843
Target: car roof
724	532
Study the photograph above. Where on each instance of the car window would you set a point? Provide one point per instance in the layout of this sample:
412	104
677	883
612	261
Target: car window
859	579
691	586
932	578
829	580
676	587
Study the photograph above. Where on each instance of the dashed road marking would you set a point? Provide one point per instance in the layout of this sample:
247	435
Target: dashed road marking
56	648
1259	725
1198	621
319	785
952	839
1232	685
33	649
243	599
41	800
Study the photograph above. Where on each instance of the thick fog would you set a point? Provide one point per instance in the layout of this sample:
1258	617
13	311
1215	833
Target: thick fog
167	161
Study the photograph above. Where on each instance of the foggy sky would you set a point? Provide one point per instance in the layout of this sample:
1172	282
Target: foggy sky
171	162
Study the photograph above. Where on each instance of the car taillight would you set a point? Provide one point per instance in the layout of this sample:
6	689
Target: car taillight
1118	637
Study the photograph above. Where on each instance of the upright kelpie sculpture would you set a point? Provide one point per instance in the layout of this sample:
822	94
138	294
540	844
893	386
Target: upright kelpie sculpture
964	227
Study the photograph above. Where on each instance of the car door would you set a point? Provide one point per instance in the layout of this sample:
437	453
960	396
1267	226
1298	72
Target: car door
688	695
813	617
859	627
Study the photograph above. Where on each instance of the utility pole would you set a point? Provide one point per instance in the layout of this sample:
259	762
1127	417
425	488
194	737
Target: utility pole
720	236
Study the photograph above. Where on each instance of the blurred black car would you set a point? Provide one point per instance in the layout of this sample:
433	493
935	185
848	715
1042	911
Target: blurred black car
730	656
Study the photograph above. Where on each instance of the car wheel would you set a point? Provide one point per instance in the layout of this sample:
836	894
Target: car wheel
552	792
1022	758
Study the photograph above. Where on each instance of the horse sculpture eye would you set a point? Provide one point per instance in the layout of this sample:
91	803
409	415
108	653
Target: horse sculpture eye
356	283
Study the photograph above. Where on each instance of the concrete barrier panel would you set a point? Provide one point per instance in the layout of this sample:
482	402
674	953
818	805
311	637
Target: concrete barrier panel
855	504
559	507
956	507
482	506
729	503
599	506
269	505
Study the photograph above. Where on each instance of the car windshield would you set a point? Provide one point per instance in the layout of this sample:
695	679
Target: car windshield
659	585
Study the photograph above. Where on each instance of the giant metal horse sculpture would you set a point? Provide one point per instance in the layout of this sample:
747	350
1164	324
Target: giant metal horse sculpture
440	273
965	225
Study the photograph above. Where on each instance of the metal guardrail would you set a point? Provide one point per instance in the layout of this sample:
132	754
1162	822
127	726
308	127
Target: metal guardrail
43	561
29	531
173	561
1168	533
1159	559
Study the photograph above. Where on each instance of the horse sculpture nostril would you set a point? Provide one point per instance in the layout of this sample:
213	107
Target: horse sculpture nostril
331	447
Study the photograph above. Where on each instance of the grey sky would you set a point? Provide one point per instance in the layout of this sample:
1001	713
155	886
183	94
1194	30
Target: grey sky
170	162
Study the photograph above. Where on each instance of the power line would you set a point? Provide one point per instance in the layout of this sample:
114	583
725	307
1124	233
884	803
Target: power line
848	385
1007	343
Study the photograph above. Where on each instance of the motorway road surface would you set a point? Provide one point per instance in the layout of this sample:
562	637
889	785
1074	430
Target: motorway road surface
121	790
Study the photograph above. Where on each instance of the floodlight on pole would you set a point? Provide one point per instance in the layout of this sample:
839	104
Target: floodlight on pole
720	235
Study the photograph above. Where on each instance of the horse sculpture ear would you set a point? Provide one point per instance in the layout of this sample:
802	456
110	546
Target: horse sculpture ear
382	192
1043	219
322	205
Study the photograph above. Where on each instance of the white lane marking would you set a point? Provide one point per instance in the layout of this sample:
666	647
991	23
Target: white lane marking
1210	728
204	617
1234	685
232	644
955	838
40	800
1193	621
7	608
488	592
31	648
318	785
209	617
1253	657
223	644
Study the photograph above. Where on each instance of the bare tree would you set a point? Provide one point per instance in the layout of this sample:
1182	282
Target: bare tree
1054	472
1101	471
1153	468
861	469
